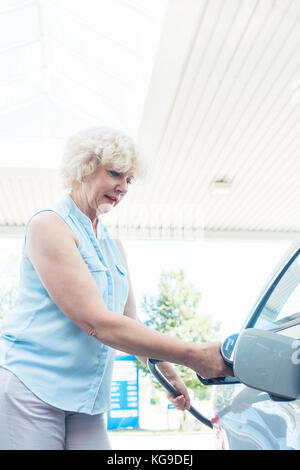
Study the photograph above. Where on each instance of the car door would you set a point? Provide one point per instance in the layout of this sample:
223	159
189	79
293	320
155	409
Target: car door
251	418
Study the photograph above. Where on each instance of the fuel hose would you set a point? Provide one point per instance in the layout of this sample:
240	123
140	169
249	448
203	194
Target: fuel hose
173	391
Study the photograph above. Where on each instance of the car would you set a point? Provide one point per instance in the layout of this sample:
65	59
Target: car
259	408
258	414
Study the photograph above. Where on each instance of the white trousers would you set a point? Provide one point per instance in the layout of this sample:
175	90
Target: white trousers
28	423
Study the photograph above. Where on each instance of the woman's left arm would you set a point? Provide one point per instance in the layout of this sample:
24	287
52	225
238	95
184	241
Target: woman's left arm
181	402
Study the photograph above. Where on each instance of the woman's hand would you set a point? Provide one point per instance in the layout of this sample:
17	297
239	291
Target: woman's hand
208	362
183	401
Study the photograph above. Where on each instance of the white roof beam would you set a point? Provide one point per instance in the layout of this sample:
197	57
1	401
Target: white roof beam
24	104
18	6
18	45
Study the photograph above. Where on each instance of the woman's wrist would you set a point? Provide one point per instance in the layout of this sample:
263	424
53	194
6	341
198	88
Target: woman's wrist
192	358
168	370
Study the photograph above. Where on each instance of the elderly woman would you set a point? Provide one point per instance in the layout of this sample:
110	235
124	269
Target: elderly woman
76	305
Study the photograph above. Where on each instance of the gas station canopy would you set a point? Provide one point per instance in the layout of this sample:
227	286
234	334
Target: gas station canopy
210	90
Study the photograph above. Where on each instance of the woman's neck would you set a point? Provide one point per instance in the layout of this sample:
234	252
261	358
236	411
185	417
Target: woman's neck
78	198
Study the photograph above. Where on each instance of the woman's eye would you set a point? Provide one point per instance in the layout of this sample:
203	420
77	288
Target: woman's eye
119	175
115	173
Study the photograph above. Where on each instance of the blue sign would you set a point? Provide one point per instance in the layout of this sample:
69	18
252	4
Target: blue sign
124	396
171	406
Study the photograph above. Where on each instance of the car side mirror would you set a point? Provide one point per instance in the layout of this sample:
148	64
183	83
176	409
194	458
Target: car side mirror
268	361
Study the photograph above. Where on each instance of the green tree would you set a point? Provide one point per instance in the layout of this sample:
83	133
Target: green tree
175	311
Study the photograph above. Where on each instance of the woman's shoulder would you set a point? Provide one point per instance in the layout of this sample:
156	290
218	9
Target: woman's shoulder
49	224
44	219
54	215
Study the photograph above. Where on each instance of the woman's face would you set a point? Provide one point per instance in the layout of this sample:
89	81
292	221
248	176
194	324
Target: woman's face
105	188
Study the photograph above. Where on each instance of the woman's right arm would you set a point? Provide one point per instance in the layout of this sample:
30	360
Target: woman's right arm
52	248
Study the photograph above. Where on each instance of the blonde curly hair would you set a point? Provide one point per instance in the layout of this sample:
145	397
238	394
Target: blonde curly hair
95	146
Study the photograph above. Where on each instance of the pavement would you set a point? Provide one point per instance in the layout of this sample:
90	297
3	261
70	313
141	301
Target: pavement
167	441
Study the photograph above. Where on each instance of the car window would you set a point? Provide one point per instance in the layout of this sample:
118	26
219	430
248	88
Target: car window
283	302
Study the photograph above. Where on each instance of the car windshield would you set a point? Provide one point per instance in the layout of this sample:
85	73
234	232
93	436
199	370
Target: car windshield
283	305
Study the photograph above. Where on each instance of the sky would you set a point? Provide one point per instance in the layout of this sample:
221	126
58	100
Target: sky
229	274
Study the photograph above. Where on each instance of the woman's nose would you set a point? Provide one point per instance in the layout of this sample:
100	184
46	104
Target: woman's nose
123	186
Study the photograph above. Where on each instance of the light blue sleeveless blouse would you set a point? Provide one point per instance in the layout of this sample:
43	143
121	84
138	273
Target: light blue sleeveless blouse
53	357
